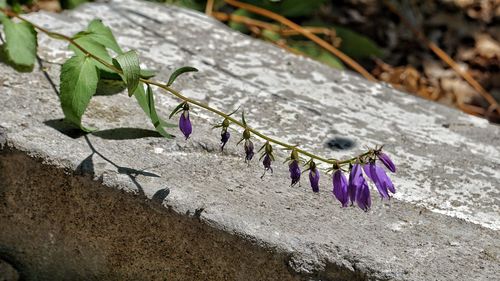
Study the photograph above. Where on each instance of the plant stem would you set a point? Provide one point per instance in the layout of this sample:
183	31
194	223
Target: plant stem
175	93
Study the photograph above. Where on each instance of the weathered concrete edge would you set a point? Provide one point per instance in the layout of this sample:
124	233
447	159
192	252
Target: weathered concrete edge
335	264
245	243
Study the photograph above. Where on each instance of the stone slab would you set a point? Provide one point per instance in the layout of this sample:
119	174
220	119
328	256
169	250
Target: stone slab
442	225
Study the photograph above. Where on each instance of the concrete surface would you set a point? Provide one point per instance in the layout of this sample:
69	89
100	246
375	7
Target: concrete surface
123	204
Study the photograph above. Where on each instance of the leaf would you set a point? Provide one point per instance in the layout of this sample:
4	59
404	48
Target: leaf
178	72
314	51
154	115
92	46
106	87
241	27
356	45
129	63
70	4
21	43
142	100
147	73
176	110
3	4
102	34
79	78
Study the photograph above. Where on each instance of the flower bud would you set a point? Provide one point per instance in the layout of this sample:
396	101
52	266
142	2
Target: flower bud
313	176
248	150
185	123
224	138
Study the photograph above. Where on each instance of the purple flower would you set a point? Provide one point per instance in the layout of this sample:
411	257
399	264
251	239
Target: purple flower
340	187
248	150
386	161
363	198
294	169
267	163
380	178
314	179
355	182
185	124
224	138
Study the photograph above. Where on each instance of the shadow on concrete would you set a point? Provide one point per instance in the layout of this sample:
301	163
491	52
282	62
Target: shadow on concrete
108	134
126	134
87	166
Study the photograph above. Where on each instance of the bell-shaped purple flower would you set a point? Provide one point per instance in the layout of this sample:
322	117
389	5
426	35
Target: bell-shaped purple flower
224	138
355	181
185	124
386	161
294	169
340	187
267	163
314	179
248	150
363	198
380	179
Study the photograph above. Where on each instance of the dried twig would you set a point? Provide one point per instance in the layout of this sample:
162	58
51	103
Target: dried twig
306	33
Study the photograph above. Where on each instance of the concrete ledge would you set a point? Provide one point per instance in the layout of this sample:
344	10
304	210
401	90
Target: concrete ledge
124	204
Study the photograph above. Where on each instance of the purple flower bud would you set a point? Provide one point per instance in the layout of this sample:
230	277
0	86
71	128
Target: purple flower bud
340	187
356	180
267	163
363	198
314	179
224	138
380	178
387	161
185	124
294	169
248	150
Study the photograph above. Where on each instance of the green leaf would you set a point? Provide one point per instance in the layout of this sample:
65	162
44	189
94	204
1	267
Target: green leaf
94	48
314	51
154	115
176	110
102	34
79	78
70	4
3	4
241	27
147	73
129	63
21	43
179	72
106	87
290	8
356	45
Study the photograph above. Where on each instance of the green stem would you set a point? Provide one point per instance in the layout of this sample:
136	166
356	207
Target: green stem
70	40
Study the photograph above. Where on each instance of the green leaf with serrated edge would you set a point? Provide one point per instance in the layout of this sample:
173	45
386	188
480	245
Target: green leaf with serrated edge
179	72
92	47
154	116
79	78
129	63
102	34
176	109
20	42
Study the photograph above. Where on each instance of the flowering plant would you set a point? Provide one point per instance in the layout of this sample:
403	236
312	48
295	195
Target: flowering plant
92	63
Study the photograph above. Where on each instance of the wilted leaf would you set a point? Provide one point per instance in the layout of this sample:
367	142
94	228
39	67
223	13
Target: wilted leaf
79	79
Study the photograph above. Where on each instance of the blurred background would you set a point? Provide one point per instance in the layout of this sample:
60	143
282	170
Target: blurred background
447	51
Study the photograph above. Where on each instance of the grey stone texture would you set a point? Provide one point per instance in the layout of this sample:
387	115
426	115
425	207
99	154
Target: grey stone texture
125	204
